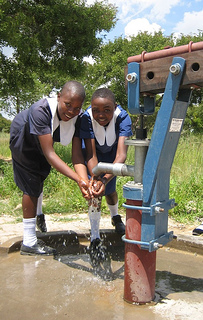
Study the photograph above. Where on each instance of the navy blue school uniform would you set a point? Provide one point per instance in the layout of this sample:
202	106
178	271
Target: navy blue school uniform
29	163
106	138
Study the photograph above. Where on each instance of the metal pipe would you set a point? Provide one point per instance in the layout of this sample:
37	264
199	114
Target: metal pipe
117	169
166	52
141	147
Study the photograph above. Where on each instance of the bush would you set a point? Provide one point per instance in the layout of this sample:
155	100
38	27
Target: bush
4	124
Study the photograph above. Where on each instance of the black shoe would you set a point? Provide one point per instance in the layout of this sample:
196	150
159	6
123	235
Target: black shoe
41	224
198	231
98	252
118	224
39	248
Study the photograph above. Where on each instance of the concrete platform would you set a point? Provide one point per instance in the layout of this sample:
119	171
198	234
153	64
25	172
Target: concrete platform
67	242
67	287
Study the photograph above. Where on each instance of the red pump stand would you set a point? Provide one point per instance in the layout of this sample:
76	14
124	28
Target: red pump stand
140	265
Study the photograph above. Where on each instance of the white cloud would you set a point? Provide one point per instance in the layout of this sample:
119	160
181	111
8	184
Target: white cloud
137	25
148	15
156	9
160	9
191	23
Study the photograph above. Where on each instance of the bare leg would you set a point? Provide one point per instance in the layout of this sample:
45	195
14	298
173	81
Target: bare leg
112	198
112	202
29	206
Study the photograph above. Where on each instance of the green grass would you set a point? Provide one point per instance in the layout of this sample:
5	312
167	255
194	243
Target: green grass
4	145
62	195
186	184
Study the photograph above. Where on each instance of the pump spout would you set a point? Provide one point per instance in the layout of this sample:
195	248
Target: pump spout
117	169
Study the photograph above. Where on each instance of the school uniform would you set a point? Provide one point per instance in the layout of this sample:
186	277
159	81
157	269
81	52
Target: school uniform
29	163
106	138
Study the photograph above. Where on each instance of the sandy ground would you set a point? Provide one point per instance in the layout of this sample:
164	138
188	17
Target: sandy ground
75	222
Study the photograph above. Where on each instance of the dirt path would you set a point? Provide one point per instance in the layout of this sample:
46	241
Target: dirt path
76	222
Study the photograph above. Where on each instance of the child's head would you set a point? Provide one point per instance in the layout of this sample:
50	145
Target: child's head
70	100
103	106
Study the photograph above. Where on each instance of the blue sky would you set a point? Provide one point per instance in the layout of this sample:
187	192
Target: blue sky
170	16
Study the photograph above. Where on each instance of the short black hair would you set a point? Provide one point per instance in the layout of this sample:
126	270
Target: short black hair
104	93
76	87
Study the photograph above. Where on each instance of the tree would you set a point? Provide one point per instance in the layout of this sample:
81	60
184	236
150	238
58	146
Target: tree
19	87
54	33
108	69
50	39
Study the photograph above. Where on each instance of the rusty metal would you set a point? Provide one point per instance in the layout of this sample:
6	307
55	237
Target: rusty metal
146	56
140	265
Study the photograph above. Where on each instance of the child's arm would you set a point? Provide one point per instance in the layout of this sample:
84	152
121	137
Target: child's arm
78	158
121	155
91	156
96	183
55	161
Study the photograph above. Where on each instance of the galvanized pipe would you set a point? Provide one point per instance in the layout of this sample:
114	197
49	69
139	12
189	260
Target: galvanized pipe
117	169
121	169
141	147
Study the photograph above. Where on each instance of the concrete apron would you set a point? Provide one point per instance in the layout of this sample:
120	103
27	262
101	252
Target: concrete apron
67	287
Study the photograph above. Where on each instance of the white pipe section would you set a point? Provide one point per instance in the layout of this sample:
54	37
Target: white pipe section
117	169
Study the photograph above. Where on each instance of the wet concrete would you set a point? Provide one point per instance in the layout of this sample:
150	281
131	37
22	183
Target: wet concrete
67	287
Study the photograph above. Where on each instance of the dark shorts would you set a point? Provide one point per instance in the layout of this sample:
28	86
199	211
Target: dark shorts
29	182
110	187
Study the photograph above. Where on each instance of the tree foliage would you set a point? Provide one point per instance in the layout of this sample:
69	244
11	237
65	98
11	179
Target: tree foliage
109	65
54	34
194	118
108	69
49	39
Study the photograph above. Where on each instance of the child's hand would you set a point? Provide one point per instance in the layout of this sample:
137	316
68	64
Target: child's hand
84	188
97	187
